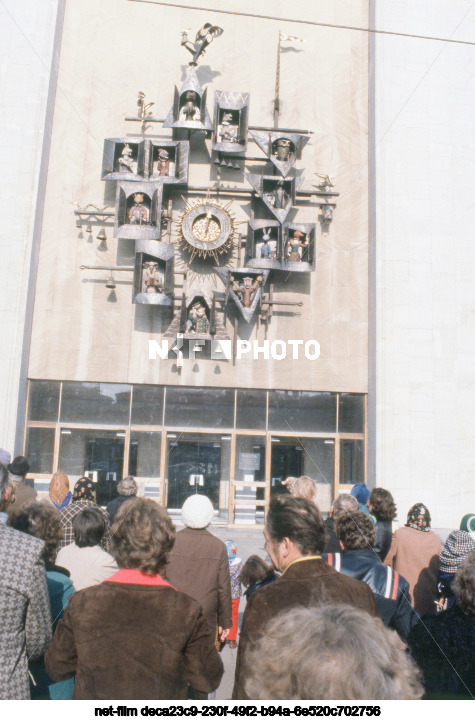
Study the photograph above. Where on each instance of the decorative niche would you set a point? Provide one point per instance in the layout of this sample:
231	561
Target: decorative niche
138	211
231	119
154	273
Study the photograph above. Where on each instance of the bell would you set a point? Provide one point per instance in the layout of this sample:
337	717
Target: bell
230	164
88	228
237	166
78	223
110	283
223	163
102	234
217	160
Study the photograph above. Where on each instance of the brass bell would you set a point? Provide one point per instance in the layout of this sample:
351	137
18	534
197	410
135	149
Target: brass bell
78	223
102	234
88	228
110	283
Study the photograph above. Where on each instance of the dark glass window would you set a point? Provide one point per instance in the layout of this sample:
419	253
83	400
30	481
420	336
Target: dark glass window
43	402
40	449
351	413
351	461
147	405
95	403
302	411
144	454
199	408
251	409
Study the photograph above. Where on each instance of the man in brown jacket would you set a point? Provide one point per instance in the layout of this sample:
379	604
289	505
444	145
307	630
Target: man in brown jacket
198	565
295	536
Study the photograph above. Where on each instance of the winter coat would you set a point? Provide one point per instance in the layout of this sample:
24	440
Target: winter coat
302	583
415	555
384	536
198	565
134	637
25	627
391	591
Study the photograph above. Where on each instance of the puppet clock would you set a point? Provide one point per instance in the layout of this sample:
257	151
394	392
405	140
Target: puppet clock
206	228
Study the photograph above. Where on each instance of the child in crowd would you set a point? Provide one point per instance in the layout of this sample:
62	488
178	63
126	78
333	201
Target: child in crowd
235	566
255	574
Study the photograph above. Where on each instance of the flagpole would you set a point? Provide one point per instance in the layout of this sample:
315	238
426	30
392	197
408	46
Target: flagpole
277	87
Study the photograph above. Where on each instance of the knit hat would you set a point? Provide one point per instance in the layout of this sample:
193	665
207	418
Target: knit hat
360	491
19	466
418	517
231	548
84	490
457	547
197	511
5	457
59	489
468	524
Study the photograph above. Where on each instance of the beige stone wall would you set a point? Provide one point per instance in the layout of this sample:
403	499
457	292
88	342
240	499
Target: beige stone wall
115	48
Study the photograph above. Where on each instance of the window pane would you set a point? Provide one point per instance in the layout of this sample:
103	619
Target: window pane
313	457
144	454
351	461
302	411
199	408
95	403
351	413
43	401
147	405
40	449
249	468
251	410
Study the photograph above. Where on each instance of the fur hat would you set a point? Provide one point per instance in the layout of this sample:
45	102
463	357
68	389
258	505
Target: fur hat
360	491
197	511
457	547
468	524
19	466
5	457
127	487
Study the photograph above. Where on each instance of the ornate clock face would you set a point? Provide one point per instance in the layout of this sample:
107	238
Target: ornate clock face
206	228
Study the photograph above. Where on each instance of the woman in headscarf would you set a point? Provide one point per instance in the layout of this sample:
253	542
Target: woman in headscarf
59	492
84	496
414	553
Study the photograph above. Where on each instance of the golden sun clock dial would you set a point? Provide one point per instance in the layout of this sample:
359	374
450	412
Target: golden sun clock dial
206	228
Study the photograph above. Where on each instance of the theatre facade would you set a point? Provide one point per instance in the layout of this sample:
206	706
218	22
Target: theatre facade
201	297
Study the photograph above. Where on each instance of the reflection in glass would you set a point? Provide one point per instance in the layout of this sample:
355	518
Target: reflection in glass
302	411
40	449
198	463
351	461
98	403
251	409
351	413
147	405
199	408
144	454
43	401
313	457
97	453
249	468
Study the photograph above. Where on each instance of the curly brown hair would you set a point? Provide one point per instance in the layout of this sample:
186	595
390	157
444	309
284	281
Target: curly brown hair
255	569
142	536
355	530
381	504
464	584
42	521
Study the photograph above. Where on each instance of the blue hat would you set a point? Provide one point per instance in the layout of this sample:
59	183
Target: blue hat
360	491
231	548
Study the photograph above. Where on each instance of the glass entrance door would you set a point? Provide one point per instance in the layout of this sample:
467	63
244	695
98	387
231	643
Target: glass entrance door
197	463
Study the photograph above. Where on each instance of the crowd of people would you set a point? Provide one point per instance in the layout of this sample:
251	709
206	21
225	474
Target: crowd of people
114	603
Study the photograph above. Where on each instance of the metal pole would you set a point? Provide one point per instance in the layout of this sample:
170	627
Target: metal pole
277	88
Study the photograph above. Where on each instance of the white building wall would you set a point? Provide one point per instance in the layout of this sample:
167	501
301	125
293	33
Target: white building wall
425	256
26	47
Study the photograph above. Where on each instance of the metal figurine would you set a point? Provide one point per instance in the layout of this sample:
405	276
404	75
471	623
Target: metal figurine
297	242
126	162
327	212
190	110
152	279
204	37
197	319
279	196
246	289
163	162
268	247
139	213
283	149
228	132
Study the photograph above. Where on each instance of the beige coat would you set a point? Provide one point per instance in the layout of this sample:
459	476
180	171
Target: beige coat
87	566
415	555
